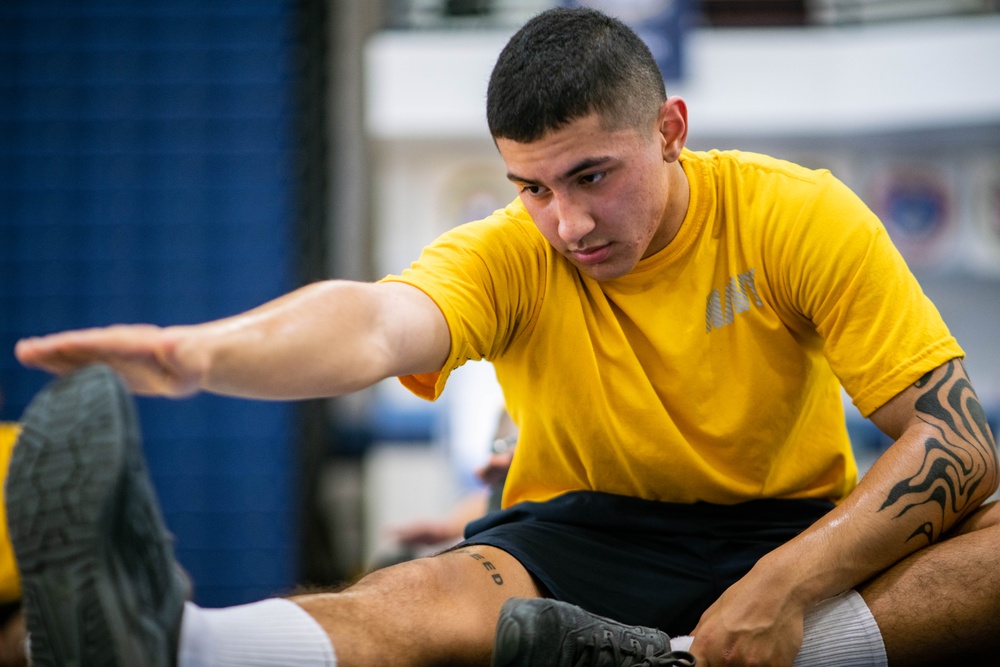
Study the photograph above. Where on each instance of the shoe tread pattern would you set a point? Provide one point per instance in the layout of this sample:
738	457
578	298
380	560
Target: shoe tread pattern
100	588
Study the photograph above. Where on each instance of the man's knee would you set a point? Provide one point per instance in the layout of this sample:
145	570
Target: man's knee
410	576
478	571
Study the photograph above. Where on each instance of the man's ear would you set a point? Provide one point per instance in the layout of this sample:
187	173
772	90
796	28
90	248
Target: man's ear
673	127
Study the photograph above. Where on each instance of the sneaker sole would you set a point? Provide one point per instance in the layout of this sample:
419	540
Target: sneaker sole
98	575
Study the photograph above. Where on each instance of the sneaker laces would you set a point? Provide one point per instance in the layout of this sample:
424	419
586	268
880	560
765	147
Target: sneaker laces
602	650
672	659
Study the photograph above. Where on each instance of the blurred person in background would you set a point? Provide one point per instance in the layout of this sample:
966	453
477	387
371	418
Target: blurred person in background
439	532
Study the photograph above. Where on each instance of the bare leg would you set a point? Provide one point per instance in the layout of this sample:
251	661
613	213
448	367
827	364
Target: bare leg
941	605
431	611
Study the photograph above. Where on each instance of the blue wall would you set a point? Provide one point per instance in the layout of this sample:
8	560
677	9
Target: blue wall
147	174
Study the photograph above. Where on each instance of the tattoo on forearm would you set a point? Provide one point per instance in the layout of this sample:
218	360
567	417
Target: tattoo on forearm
957	460
487	565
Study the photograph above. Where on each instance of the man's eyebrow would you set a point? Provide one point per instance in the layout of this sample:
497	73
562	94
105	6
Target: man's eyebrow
588	163
582	165
511	176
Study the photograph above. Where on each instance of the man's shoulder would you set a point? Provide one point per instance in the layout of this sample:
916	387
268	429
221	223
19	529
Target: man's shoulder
733	163
510	224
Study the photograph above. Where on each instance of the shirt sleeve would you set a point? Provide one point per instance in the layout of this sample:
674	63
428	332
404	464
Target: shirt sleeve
880	332
487	277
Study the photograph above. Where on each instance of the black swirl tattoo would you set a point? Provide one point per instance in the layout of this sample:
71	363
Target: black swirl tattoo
957	471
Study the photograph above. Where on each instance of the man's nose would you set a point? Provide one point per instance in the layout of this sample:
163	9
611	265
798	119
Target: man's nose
575	222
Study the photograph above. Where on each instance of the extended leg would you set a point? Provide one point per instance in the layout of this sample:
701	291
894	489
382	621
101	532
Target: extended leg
440	610
102	588
434	611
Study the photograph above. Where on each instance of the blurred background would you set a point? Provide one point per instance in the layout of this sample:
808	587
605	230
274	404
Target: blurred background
172	161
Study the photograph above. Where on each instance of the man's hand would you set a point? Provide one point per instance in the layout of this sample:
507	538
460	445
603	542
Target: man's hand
751	624
148	358
941	467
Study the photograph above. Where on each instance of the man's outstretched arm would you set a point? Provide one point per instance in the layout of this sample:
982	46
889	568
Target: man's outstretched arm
325	339
942	466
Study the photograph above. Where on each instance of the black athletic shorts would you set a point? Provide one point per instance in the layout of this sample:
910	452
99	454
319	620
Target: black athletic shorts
639	561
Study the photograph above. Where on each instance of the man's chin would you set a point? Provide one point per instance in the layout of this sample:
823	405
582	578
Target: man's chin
603	271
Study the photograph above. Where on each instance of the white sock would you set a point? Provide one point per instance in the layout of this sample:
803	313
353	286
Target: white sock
682	643
841	631
269	633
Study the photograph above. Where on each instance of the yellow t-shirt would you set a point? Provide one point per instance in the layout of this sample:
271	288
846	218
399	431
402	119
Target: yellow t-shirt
712	371
10	582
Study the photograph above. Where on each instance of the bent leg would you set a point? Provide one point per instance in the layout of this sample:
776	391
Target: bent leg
941	605
440	610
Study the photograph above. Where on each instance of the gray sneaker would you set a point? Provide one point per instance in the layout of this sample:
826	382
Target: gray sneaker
101	587
549	633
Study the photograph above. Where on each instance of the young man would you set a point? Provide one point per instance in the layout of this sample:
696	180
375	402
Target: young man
671	330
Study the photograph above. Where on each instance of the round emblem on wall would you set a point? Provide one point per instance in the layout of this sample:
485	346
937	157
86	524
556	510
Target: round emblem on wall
916	204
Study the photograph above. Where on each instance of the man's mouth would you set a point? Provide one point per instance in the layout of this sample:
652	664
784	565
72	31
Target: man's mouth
592	254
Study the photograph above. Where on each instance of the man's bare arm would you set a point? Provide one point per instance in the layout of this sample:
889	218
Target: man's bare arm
325	339
958	468
941	467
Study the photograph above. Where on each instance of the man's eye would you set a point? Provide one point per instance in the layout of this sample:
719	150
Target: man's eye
592	178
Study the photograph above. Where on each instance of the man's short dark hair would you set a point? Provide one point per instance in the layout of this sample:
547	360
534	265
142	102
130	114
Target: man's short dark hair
566	63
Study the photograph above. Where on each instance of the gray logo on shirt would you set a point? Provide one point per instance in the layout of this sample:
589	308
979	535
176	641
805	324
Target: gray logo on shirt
737	297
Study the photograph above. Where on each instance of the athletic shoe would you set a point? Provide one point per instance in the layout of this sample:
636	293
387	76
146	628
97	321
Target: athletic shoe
101	587
549	633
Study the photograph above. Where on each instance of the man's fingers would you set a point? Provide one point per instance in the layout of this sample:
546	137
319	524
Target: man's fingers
38	353
138	353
